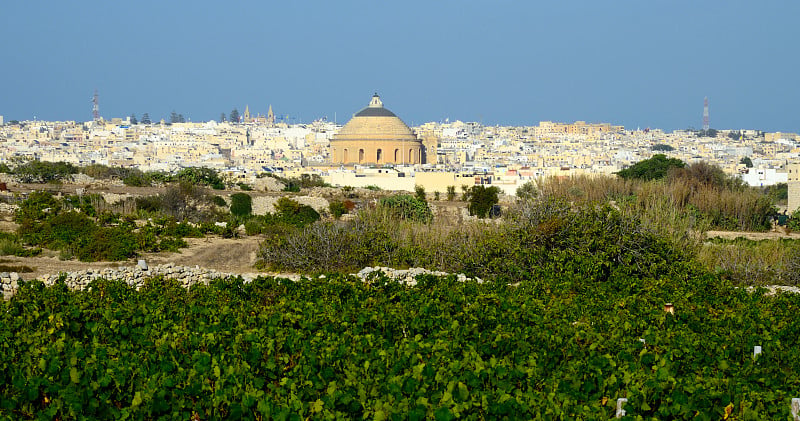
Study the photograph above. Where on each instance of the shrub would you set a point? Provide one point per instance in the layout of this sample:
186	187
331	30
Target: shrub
109	244
44	172
419	193
219	201
482	199
405	206
241	204
451	193
293	213
651	169
337	208
149	204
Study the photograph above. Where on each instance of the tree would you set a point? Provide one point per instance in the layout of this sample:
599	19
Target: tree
735	135
662	147
222	118
174	118
654	168
234	116
747	162
241	204
482	200
133	119
146	119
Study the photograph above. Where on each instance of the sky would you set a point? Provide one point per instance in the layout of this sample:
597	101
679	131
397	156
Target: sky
629	62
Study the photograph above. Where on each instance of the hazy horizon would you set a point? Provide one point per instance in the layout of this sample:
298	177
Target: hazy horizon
636	64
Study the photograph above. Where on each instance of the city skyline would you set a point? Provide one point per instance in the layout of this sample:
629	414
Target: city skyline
631	63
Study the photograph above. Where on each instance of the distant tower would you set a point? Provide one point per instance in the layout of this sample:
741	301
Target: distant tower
270	116
246	113
705	114
95	107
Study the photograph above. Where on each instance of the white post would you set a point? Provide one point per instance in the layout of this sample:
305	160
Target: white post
756	351
620	411
796	409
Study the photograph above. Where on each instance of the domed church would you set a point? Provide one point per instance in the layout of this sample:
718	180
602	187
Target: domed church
376	136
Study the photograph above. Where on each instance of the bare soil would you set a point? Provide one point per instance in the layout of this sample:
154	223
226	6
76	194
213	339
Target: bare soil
770	235
221	254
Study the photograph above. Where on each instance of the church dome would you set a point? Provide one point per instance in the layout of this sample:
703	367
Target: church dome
375	122
376	135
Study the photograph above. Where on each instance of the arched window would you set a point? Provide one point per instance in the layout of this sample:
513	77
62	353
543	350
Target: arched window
360	156
397	156
344	157
410	156
379	156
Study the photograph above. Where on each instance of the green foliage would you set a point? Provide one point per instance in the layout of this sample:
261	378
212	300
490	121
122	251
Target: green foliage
527	191
662	147
241	204
337	208
451	193
201	176
654	168
747	162
293	213
557	346
419	193
373	187
245	186
305	181
405	206
44	172
794	221
73	227
778	193
482	199
219	201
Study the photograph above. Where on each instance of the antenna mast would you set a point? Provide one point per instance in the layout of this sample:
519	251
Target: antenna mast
95	107
705	114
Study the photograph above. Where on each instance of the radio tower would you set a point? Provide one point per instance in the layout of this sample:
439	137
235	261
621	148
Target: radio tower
705	114
95	107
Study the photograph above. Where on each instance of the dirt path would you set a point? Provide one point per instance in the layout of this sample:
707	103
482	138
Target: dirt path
220	254
770	235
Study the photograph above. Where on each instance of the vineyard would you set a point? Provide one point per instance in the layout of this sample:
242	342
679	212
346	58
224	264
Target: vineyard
558	347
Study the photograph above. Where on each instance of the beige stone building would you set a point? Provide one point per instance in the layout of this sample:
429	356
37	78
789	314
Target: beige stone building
377	136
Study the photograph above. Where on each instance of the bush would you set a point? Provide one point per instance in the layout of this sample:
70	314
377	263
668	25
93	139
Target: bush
241	204
293	213
219	201
654	168
337	208
406	207
482	200
44	172
149	204
107	244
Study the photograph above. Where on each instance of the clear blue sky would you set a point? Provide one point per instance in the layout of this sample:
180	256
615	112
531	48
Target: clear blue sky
631	62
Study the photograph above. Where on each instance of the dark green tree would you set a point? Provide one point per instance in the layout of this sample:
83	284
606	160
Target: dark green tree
133	119
234	116
662	147
146	119
241	204
482	199
222	118
174	117
654	168
747	162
